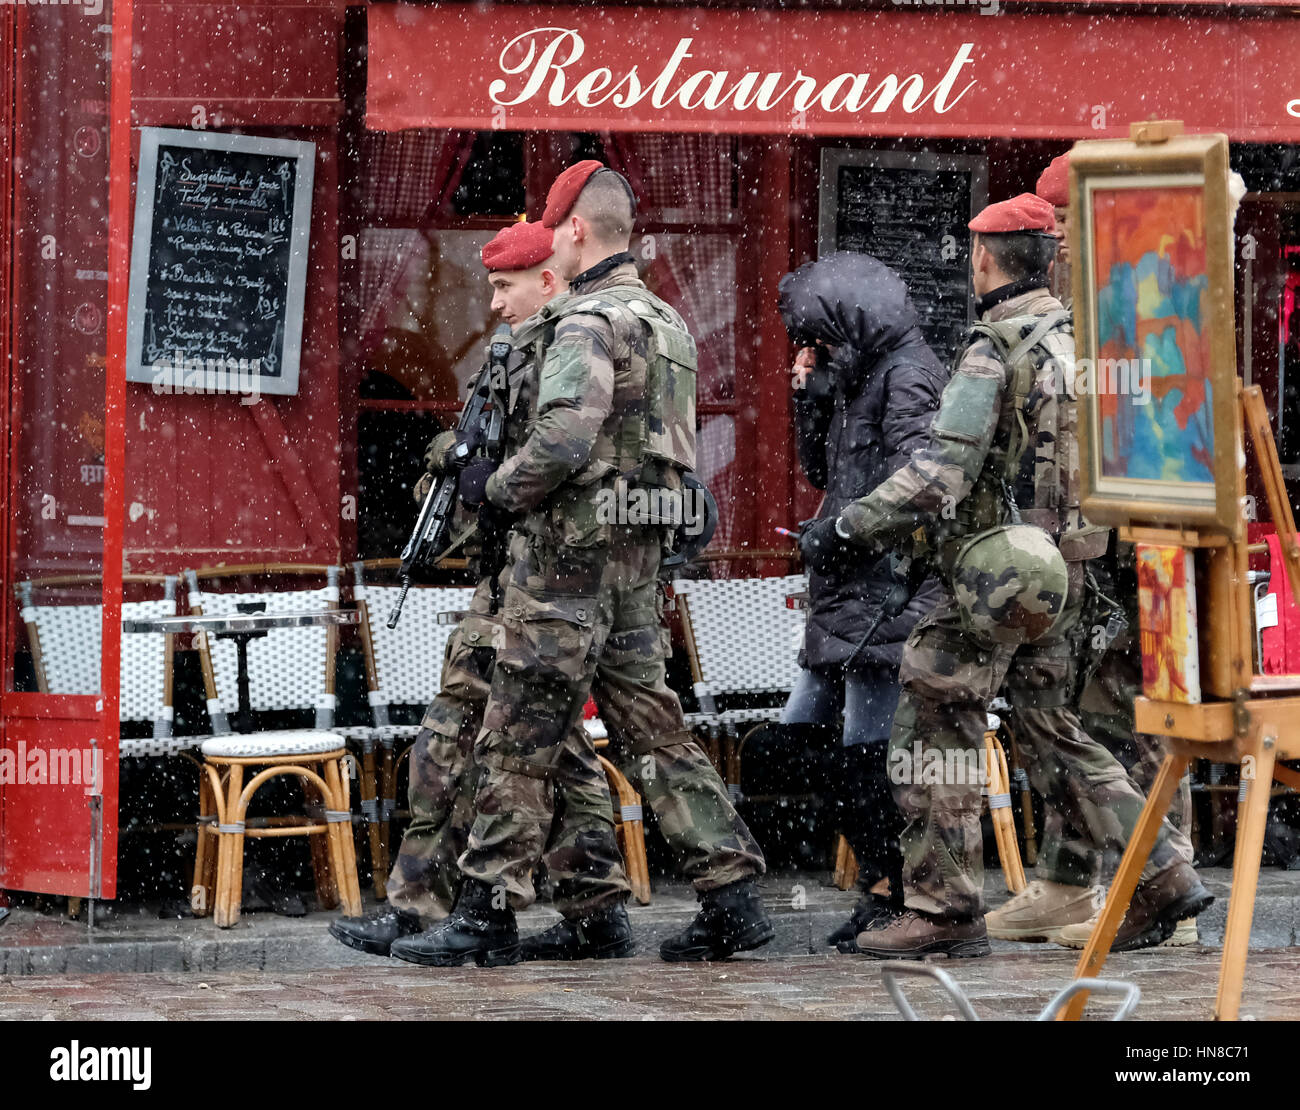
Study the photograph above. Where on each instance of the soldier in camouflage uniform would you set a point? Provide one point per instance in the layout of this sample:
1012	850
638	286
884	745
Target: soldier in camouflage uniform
1002	447
1070	869
583	603
582	853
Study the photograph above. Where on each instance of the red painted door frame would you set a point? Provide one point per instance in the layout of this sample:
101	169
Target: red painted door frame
60	841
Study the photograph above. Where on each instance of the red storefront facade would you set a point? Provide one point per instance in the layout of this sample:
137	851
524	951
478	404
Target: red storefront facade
435	124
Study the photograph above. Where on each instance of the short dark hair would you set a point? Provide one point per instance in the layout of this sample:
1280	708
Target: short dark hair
608	204
1020	254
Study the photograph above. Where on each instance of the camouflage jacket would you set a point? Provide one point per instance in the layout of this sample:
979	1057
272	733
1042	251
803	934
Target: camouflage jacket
952	485
585	389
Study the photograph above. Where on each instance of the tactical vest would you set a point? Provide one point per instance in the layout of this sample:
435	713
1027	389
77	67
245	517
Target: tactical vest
654	392
1038	461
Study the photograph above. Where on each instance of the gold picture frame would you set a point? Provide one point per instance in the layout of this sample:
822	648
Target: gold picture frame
1150	237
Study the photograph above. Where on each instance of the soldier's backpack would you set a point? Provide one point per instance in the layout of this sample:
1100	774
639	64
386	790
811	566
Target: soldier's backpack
1010	581
662	430
665	431
1044	484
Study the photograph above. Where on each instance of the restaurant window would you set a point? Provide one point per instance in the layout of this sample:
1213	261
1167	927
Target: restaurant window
432	199
691	249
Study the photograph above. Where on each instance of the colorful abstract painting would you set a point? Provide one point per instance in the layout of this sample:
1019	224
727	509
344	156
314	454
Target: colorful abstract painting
1167	619
1151	289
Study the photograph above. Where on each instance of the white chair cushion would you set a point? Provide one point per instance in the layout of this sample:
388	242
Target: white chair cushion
289	741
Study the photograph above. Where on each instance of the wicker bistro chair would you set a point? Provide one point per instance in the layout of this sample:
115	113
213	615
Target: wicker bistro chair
403	673
629	815
65	646
742	640
288	669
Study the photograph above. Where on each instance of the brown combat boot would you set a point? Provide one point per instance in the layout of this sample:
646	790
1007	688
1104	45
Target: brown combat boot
1153	915
912	935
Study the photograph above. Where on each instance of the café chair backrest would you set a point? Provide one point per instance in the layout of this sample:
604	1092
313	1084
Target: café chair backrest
742	637
408	659
66	645
288	668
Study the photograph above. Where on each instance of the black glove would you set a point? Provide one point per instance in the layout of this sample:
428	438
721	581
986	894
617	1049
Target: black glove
819	385
824	549
473	481
459	454
494	520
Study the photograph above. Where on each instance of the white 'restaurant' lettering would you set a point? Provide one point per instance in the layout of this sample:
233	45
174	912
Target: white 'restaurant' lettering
543	62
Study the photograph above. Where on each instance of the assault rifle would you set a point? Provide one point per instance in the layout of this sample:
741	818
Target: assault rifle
485	410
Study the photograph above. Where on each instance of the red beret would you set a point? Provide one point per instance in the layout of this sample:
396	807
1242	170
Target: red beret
518	247
1054	182
1023	213
565	189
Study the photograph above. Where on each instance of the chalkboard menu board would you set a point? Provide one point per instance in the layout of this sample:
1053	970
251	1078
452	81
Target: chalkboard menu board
219	262
910	211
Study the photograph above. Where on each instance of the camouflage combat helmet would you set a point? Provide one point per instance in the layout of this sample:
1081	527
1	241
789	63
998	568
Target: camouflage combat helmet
1010	584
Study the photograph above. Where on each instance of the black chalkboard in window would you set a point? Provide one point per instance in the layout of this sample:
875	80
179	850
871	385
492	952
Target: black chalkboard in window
219	262
909	210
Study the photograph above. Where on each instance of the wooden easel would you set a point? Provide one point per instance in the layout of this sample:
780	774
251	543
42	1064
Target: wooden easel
1251	722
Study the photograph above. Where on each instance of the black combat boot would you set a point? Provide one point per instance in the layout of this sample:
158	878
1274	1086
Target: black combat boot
376	931
603	934
476	929
731	919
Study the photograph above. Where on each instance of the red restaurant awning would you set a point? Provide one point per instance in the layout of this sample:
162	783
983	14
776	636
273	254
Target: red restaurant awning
904	71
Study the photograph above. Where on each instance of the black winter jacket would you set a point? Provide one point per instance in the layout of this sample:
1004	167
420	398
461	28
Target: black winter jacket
886	384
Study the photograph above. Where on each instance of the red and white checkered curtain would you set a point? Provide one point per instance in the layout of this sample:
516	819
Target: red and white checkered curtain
388	258
408	176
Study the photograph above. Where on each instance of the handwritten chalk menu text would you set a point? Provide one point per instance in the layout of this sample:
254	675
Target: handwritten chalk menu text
909	210
219	262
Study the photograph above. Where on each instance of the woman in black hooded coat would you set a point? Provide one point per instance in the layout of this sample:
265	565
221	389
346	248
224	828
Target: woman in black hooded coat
860	414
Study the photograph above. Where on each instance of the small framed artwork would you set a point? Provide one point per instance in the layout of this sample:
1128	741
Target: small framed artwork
1156	373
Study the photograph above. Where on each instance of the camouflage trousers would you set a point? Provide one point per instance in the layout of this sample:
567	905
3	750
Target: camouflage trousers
949	677
579	620
1106	712
582	855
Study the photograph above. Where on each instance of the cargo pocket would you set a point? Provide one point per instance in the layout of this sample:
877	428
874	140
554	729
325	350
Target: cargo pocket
547	638
942	665
438	760
635	653
467	668
583	509
1042	677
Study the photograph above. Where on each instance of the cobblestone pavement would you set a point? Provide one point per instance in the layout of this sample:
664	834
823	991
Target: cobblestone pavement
1176	984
